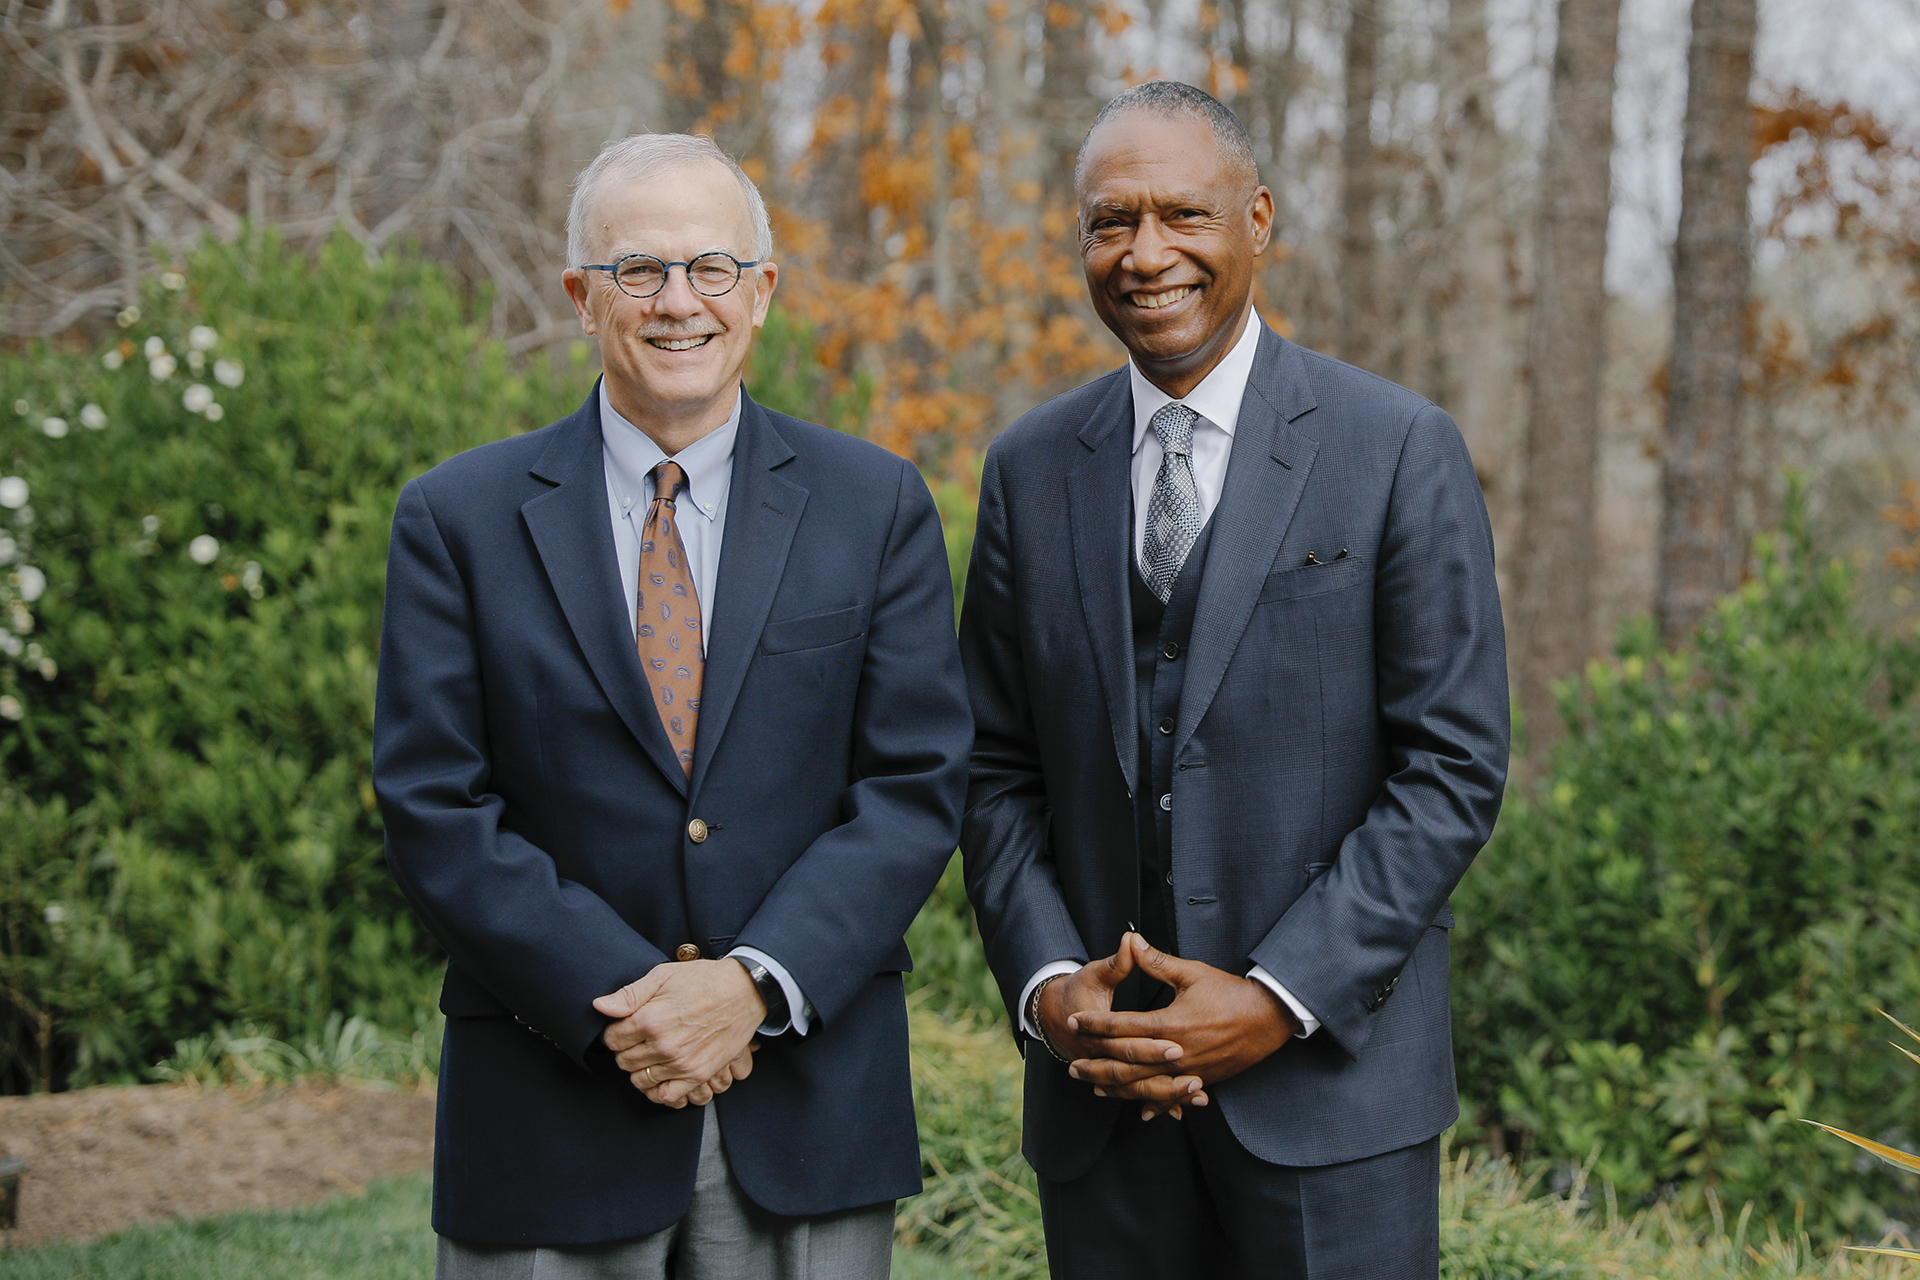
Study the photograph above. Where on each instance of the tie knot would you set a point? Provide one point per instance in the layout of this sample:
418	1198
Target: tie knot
669	479
1173	423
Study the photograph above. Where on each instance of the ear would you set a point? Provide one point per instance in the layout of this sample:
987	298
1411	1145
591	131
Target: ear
765	277
1261	212
579	292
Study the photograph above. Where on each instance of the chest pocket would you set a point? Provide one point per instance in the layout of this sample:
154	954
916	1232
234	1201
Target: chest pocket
1313	579
814	630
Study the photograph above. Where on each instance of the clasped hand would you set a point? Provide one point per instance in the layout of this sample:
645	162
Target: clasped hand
1217	1026
684	1032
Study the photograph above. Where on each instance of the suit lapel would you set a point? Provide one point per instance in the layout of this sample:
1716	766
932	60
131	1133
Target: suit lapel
1100	509
1266	474
763	510
573	532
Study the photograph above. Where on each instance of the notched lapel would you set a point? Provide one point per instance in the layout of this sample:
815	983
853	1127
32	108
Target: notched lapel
1266	474
1100	511
571	528
763	511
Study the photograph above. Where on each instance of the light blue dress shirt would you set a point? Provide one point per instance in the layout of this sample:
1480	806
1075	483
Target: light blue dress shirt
631	455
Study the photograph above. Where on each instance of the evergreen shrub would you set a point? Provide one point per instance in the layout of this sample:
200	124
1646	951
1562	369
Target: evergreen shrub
1677	942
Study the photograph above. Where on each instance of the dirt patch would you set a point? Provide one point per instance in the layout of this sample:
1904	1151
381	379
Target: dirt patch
102	1159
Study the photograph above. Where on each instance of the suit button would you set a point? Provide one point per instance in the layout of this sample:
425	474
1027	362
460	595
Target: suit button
1171	652
1166	802
697	831
686	951
1169	879
1166	725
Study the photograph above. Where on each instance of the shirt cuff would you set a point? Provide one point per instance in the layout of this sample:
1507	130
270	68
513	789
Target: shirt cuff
1053	970
1308	1023
800	1013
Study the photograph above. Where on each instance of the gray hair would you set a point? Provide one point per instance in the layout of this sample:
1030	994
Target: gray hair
648	155
1172	98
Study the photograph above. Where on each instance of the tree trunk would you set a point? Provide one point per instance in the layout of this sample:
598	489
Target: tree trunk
1700	549
1566	355
1360	312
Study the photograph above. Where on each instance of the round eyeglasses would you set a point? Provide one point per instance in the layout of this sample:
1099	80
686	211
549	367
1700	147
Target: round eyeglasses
641	275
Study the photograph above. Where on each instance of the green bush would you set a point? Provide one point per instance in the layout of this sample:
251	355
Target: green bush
1679	940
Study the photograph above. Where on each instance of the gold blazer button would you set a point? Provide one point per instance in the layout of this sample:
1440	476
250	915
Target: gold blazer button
697	831
686	951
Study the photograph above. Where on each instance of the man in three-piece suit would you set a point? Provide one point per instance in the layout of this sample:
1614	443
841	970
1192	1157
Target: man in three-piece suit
1235	655
671	745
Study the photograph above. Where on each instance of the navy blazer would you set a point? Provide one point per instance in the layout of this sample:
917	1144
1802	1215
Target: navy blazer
538	821
1339	755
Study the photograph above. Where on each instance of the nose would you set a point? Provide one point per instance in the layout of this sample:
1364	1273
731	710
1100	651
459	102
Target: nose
676	296
1151	250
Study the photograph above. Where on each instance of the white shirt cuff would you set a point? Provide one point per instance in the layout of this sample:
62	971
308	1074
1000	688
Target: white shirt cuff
800	1013
1308	1023
1053	970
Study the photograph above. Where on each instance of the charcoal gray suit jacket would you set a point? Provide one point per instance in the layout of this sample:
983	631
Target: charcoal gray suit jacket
1339	754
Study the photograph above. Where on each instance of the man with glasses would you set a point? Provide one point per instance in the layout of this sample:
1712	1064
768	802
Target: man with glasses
671	745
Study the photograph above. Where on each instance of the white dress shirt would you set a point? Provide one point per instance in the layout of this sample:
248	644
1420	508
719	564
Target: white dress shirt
631	455
1217	401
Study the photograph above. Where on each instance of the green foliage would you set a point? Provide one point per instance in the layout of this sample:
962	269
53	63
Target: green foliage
349	1051
187	825
1680	939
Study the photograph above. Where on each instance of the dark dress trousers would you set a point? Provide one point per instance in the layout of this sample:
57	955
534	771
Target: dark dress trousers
539	823
1324	754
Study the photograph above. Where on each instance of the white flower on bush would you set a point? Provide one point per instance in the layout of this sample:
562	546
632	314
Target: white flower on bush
31	582
202	338
128	318
196	360
10	644
204	549
163	368
113	359
7	547
48	668
92	417
10	707
215	412
155	348
172	280
198	397
22	408
55	912
228	373
56	428
13	492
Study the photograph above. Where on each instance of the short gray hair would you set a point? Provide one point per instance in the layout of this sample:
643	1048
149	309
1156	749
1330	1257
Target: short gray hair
1173	98
648	155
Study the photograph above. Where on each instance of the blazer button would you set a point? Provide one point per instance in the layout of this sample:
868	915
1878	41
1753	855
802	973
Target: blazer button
1166	725
1171	652
686	951
1166	802
697	831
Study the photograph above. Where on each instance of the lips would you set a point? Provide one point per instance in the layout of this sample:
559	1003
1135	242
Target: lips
688	343
1155	301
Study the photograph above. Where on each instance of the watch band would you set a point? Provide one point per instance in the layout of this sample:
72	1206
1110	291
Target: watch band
775	996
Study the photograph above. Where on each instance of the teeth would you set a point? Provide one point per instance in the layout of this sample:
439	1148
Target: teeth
680	344
1154	301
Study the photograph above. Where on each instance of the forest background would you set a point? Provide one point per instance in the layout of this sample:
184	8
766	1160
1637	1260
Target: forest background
1652	257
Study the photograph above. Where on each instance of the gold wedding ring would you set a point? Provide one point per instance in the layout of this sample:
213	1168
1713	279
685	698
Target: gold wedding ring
650	1079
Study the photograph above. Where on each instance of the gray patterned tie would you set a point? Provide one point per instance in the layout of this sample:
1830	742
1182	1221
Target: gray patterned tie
1173	513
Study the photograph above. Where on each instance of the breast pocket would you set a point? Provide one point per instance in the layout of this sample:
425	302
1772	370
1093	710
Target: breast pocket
1314	580
814	630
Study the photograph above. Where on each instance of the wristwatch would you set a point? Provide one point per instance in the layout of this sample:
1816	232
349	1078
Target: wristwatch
778	1015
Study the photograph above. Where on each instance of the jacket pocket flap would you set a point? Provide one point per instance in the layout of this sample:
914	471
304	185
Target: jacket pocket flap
464	997
1313	579
813	630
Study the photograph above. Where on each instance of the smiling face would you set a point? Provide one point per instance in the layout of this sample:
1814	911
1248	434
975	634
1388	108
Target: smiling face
672	361
1169	229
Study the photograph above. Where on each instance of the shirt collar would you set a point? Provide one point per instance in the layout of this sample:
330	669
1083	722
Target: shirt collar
632	454
1217	398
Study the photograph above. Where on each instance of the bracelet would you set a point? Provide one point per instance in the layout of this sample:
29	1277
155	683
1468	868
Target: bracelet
1033	1016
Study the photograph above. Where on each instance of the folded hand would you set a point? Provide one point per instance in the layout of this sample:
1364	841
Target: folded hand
684	1031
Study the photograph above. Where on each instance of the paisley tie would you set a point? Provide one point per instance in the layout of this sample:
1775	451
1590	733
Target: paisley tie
668	616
